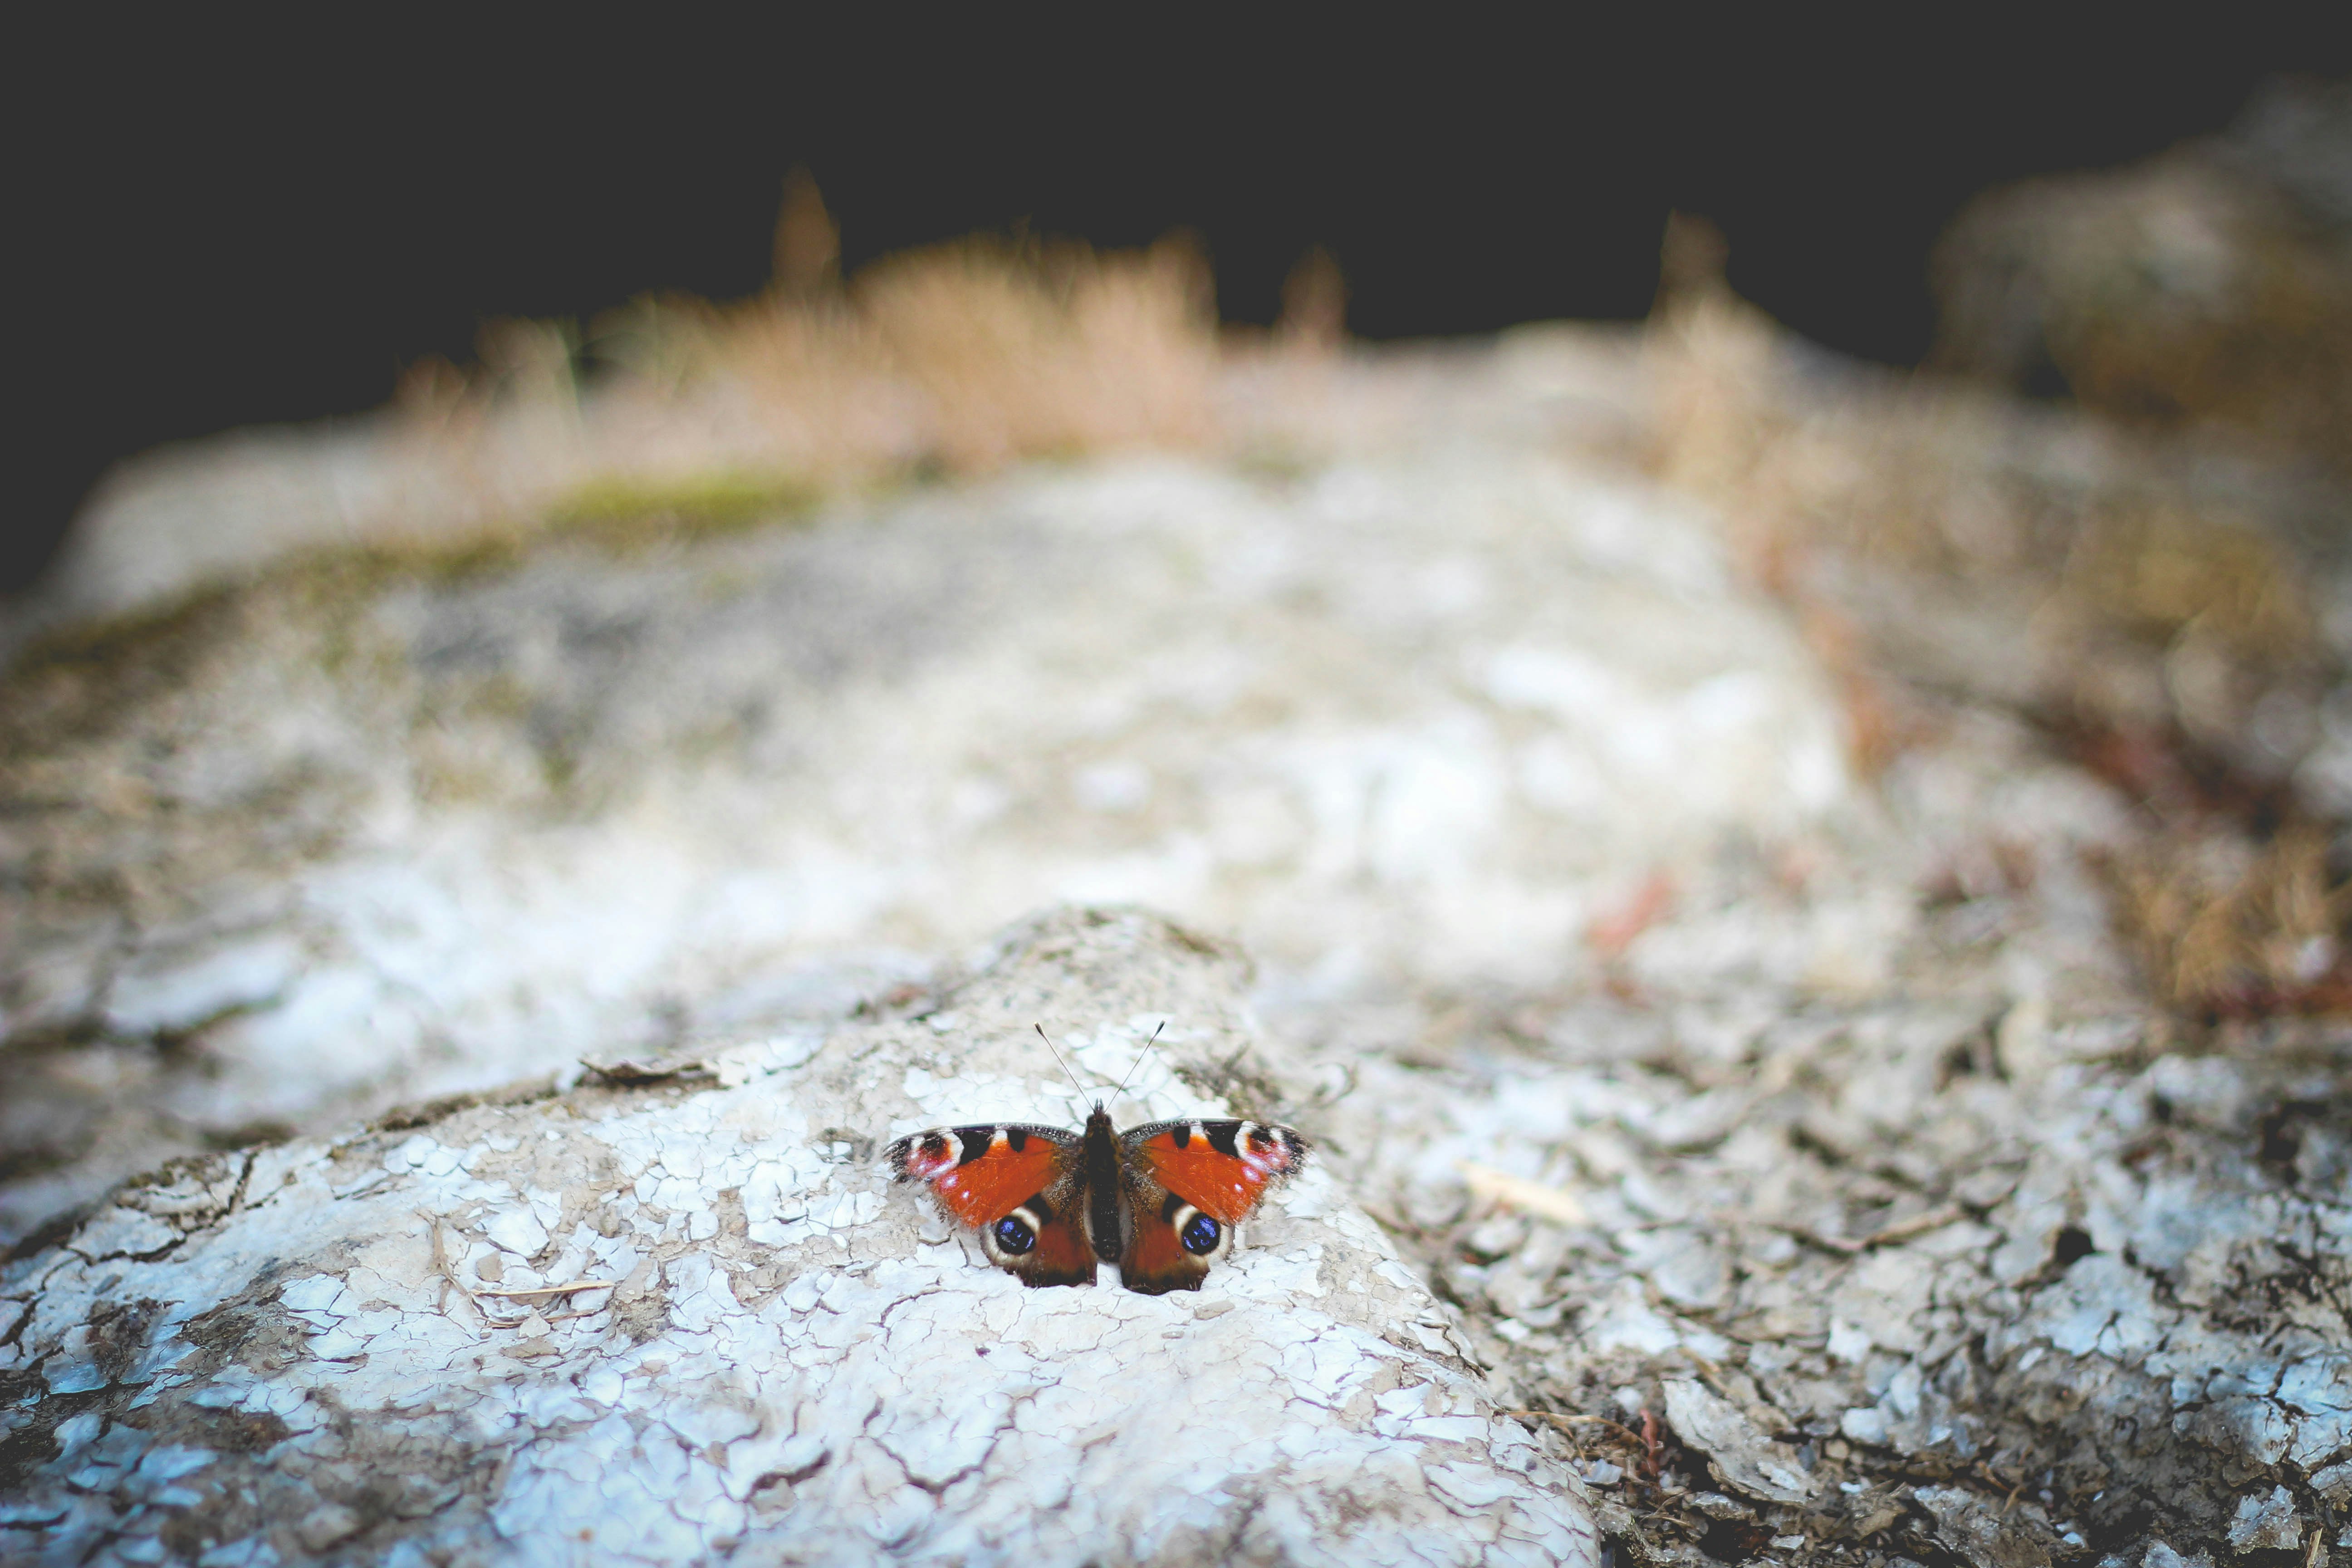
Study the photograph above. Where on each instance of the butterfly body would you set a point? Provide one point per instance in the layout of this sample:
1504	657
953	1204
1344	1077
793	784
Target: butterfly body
1160	1201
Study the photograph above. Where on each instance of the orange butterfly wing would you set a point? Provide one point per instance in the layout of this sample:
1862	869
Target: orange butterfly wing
984	1177
1156	1260
1188	1184
1222	1168
980	1174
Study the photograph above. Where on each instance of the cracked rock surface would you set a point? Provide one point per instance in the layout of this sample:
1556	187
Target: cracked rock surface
367	833
1811	917
346	1348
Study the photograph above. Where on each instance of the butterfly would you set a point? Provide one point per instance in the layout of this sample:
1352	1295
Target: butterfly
1160	1201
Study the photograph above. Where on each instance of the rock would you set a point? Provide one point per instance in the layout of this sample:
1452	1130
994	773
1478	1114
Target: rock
2266	1523
1977	1528
2210	283
1743	1457
1416	720
290	1350
1782	906
330	1524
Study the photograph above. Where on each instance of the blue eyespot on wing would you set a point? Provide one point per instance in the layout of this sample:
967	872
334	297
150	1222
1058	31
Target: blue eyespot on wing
1015	1185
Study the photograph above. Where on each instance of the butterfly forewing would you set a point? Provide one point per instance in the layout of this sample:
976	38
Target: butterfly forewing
981	1173
1223	1168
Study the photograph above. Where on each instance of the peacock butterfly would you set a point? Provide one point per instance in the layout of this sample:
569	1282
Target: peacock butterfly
1160	1201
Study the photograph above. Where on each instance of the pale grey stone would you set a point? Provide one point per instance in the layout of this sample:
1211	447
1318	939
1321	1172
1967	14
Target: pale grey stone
1532	806
1744	1457
2266	1522
314	1369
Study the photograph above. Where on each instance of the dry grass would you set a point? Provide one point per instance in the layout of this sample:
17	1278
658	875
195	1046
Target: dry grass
955	360
2225	930
2094	543
673	416
2163	634
676	415
965	357
2157	572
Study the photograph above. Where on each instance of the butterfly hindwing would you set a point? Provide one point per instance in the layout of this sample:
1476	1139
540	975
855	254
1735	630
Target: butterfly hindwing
1169	1244
1018	1186
1188	1183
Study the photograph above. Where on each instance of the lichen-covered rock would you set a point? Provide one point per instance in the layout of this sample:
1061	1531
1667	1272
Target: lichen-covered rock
1840	987
373	831
1906	1278
676	1314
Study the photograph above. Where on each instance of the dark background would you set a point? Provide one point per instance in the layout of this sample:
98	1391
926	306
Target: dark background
228	225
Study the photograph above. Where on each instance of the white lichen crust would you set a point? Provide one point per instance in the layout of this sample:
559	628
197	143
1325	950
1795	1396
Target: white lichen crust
331	1349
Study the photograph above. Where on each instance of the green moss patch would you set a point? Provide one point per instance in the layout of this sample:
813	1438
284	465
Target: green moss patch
616	509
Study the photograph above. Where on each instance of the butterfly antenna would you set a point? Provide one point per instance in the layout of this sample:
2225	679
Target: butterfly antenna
1057	1056
1139	1060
